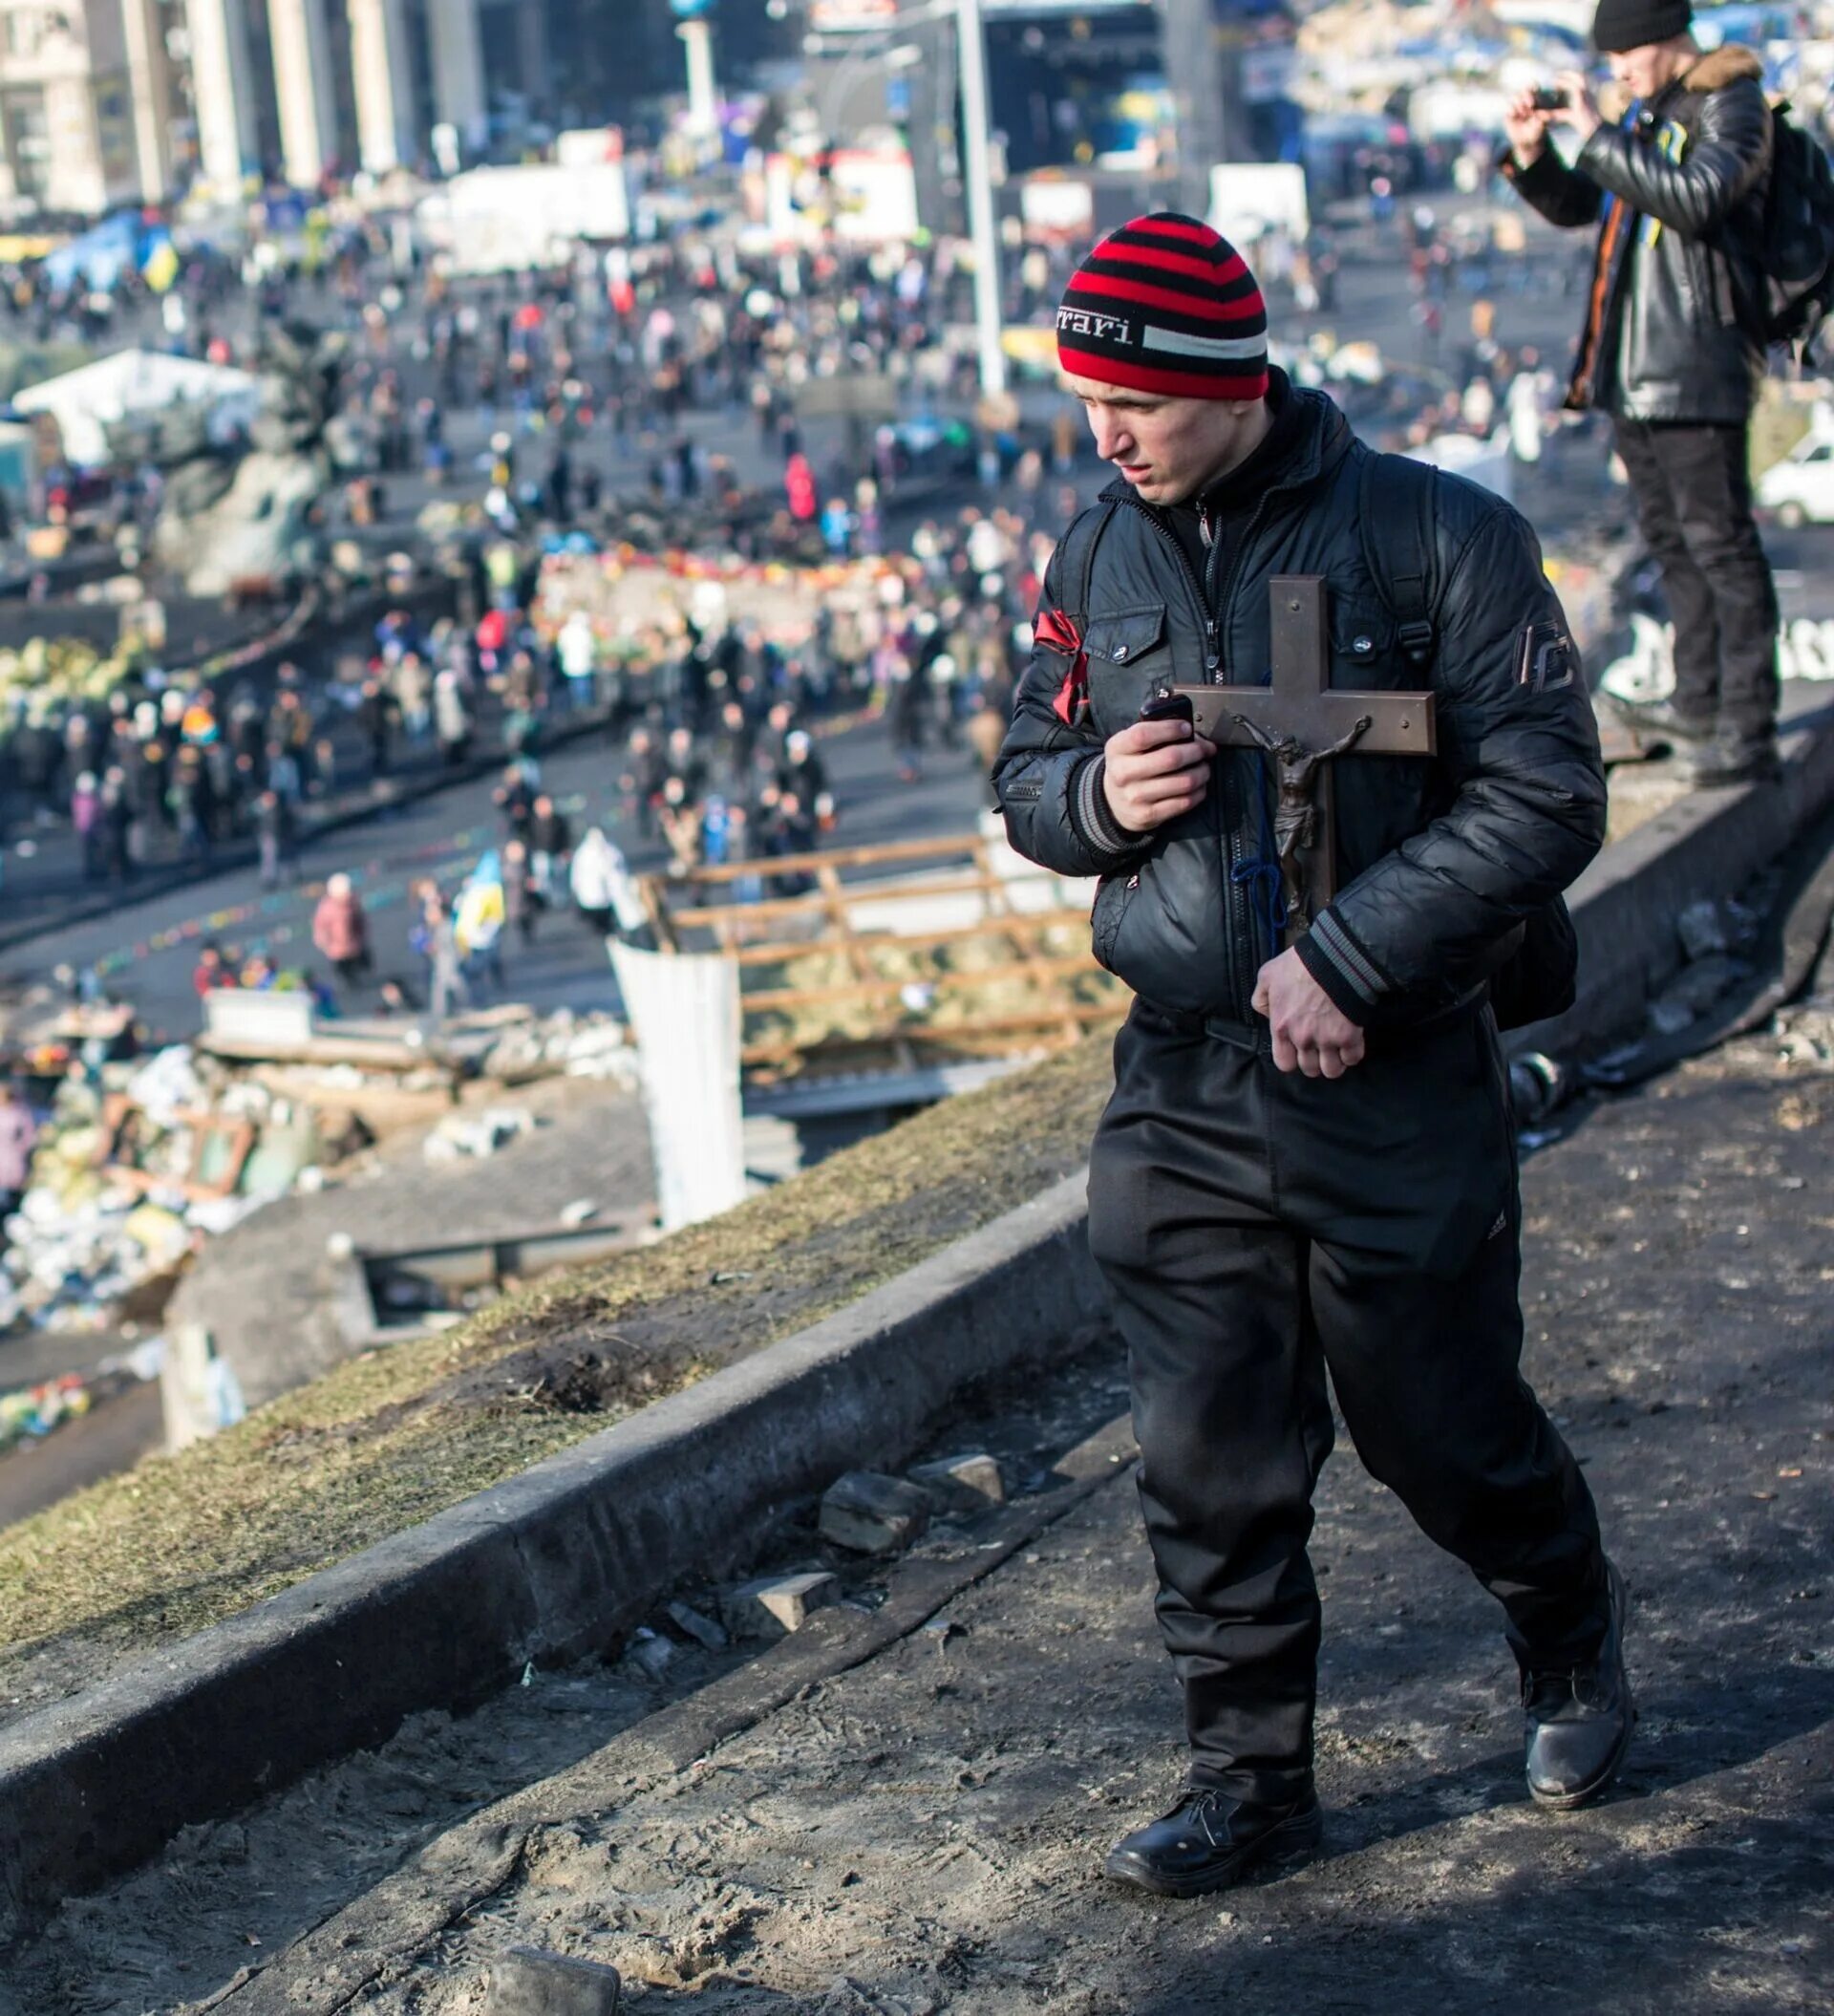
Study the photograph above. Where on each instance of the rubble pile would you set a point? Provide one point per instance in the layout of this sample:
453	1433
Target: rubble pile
565	1045
1716	939
476	1135
143	1160
130	1172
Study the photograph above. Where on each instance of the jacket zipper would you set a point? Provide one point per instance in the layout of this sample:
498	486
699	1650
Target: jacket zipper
1241	989
1227	826
1212	656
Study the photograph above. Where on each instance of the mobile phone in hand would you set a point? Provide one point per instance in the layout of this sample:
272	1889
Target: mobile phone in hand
1169	707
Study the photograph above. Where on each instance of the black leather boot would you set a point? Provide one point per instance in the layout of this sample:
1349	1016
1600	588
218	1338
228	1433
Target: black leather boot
1732	762
1210	1840
1661	723
1580	1719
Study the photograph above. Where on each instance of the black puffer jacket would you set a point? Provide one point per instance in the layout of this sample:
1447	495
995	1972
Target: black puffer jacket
1437	858
1669	330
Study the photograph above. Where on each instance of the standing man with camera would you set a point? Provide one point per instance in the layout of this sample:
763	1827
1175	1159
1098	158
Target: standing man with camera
1309	1159
1669	348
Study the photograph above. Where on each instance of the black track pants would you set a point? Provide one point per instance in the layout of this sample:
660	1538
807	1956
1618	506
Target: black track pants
1257	1228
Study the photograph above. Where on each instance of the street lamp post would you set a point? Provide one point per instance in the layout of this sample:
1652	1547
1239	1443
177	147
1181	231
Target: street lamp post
970	44
971	40
696	37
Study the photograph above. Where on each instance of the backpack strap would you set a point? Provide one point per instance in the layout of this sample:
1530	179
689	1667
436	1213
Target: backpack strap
1077	563
1397	497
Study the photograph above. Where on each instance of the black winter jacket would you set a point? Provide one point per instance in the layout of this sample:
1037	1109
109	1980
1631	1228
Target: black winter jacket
1677	312
1439	859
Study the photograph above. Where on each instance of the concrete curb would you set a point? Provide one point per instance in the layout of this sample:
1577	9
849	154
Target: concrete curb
1707	844
549	1565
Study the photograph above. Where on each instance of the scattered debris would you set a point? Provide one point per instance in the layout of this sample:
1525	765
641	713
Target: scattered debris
650	1653
563	1043
1693	991
968	1483
779	1604
704	1632
475	1134
869	1513
1703	928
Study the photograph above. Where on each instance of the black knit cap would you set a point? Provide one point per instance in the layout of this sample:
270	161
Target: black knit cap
1634	24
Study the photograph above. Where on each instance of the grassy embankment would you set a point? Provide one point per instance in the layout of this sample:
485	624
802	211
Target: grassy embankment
393	1437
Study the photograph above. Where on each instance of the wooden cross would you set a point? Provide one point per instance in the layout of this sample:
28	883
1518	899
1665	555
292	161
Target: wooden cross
1304	722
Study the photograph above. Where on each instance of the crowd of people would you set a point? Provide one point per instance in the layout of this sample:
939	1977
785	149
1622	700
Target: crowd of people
571	408
161	771
717	741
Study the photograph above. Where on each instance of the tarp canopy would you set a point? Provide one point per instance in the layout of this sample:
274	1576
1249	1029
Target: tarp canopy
101	254
87	401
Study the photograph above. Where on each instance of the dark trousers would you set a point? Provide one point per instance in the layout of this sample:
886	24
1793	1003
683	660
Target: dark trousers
1257	1228
1693	491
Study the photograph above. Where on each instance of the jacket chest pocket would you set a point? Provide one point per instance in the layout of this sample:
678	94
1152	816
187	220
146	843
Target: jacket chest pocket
1366	651
1128	659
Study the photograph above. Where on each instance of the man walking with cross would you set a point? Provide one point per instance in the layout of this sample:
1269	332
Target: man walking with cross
1308	1162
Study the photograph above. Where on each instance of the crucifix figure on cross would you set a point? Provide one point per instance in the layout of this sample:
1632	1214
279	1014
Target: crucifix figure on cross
1303	723
1296	811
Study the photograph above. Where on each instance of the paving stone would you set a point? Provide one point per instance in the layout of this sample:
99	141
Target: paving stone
527	1981
968	1483
779	1604
701	1629
873	1514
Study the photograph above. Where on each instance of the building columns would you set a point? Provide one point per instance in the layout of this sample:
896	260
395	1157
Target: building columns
531	50
383	79
304	89
221	86
458	46
149	83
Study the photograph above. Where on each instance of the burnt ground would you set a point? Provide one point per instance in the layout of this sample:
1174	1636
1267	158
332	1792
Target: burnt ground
903	1808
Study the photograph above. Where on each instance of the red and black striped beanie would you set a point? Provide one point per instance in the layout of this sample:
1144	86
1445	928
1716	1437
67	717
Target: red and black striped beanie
1166	305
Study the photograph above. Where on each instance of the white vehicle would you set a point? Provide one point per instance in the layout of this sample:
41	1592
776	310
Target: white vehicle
1801	487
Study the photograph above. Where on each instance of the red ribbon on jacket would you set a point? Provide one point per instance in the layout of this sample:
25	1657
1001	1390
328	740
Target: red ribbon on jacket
1058	631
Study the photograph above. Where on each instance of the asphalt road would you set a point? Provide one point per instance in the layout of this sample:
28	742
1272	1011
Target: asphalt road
147	949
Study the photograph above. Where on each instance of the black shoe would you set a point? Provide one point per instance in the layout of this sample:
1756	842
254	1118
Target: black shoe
1210	1840
1580	1719
1717	762
1661	722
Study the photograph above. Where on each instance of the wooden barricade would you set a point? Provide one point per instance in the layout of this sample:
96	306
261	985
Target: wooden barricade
1060	993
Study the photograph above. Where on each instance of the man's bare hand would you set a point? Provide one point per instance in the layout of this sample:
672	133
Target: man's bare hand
1155	770
1580	113
1527	127
1310	1033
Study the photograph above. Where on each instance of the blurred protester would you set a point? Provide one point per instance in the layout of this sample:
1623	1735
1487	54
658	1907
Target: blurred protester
341	930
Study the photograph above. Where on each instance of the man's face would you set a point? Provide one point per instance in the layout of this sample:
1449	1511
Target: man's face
1645	71
1168	449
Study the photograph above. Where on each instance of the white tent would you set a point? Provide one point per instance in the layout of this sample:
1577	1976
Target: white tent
86	401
